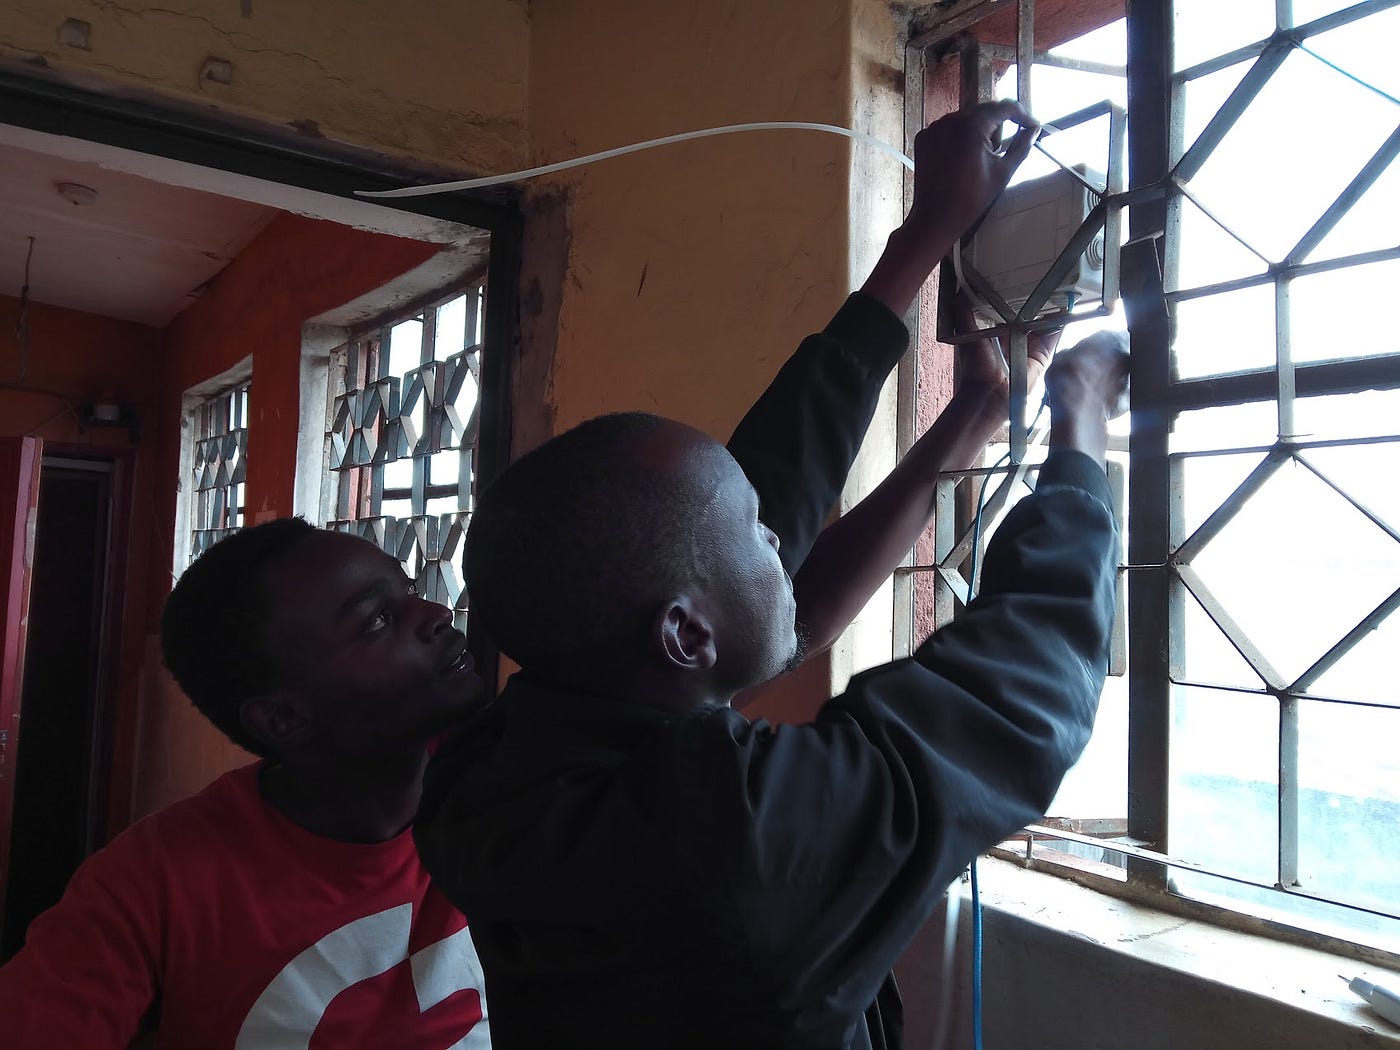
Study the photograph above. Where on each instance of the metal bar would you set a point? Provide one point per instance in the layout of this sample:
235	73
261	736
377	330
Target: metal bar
1155	857
1232	504
427	343
1296	445
1310	698
1231	628
1025	50
1233	108
1016	362
1149	480
1288	792
1307	269
1343	17
1381	372
1283	342
1283	14
1219	62
945	529
1329	659
1049	58
1355	190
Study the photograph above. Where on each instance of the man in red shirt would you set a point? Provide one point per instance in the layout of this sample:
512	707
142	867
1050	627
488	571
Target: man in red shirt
285	904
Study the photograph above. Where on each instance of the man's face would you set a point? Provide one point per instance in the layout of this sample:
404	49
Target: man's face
755	634
376	667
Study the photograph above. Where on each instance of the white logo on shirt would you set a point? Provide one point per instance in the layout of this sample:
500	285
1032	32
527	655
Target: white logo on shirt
290	1008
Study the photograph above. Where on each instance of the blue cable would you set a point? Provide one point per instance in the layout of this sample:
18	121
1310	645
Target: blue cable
976	961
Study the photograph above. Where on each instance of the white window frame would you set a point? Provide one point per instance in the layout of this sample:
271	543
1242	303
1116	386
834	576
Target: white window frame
192	404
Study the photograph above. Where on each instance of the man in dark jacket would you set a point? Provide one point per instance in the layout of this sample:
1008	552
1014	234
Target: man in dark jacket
646	868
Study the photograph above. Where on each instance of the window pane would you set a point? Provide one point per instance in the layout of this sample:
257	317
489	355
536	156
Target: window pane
1097	785
1368	671
445	467
398	474
1364	48
1225	333
1203	97
1058	92
1207	655
1224	781
1293	151
1206	481
1298	567
1206	28
1349	804
1207	255
451	334
441	505
1106	44
397	508
1371	224
405	346
1335	313
1232	426
1367	473
1366	413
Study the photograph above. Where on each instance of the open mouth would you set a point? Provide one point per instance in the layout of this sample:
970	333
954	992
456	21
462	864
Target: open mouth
461	664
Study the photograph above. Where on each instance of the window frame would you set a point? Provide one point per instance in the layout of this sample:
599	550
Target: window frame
194	402
1154	565
353	495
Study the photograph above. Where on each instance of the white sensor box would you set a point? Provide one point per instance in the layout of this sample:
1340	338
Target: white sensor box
1025	231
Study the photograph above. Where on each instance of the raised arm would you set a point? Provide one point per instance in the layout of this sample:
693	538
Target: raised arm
798	441
868	813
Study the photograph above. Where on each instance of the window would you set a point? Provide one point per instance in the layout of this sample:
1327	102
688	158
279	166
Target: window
216	468
1245	758
403	423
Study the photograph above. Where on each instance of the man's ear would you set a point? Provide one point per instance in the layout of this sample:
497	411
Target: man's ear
279	720
685	634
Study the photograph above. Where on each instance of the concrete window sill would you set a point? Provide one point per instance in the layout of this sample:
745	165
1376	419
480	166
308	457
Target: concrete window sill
1066	966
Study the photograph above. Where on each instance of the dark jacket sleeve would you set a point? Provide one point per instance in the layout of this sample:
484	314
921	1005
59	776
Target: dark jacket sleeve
797	442
851	828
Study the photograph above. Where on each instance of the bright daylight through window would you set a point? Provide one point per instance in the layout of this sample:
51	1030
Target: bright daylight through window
1251	730
218	467
402	438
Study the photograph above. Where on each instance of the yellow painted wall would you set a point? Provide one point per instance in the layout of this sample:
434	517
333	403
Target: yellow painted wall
693	271
443	81
675	281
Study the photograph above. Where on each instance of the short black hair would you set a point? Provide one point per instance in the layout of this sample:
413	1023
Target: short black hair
213	631
573	546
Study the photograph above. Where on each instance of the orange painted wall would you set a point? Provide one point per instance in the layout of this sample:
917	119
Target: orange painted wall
294	270
72	356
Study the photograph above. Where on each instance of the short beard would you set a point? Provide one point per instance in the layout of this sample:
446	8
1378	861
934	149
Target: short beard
799	650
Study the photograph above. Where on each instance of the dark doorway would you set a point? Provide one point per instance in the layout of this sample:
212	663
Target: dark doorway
59	780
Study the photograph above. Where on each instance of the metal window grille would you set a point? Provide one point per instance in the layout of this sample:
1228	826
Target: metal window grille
1262	523
219	468
403	433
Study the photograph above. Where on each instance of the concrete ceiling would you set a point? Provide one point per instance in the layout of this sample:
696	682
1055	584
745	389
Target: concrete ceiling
140	250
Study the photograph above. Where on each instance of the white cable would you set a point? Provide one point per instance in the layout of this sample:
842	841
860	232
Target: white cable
607	154
945	992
